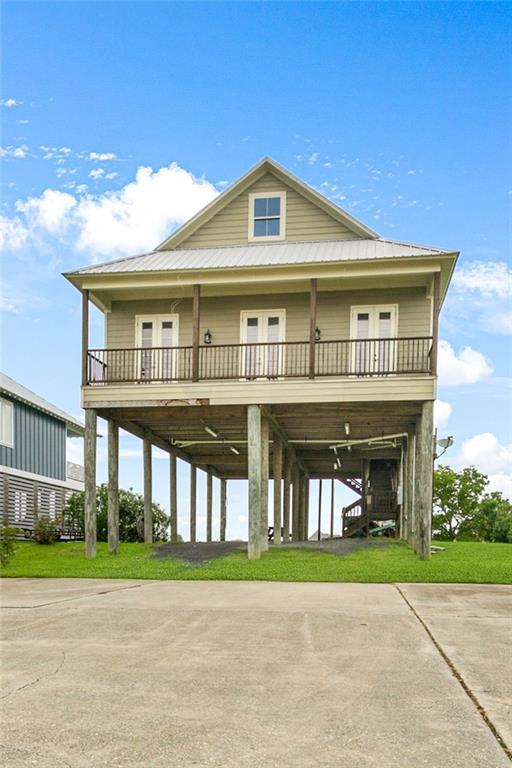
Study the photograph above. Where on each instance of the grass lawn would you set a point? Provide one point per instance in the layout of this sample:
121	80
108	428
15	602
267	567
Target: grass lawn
470	562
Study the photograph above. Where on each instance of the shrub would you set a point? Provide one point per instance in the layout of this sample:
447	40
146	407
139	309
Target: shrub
131	516
7	548
47	531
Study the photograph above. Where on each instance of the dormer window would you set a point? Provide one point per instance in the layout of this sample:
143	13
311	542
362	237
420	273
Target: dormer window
267	216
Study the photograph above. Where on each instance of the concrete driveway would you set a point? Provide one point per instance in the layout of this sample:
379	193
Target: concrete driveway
255	674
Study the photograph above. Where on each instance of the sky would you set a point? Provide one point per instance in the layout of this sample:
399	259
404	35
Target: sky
120	120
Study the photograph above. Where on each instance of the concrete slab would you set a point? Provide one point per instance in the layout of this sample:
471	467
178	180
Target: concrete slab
232	674
473	626
34	593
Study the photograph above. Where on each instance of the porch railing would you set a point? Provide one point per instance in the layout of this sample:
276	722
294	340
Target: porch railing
282	360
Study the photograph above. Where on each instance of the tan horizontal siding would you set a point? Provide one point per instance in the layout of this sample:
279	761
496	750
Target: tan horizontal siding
221	315
396	388
304	220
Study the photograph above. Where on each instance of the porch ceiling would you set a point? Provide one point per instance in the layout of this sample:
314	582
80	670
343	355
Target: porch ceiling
310	429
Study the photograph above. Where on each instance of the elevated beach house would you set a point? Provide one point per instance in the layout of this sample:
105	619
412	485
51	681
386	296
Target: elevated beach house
35	475
272	335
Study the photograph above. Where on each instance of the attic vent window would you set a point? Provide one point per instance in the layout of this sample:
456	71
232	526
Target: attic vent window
267	216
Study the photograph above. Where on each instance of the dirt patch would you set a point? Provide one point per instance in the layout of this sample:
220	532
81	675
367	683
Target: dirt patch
340	546
200	552
203	552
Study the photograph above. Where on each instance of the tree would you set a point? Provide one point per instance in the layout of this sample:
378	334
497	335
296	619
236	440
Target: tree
456	498
492	520
131	516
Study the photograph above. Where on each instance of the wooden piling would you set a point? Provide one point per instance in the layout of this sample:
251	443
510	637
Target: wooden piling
91	425
173	497
277	471
223	509
148	491
193	503
113	488
254	481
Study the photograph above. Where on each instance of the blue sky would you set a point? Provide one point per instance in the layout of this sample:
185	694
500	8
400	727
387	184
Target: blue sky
400	113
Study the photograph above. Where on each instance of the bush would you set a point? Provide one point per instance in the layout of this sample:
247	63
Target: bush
131	516
47	531
7	548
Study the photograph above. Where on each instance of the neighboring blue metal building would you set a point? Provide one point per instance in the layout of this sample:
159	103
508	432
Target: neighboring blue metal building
35	476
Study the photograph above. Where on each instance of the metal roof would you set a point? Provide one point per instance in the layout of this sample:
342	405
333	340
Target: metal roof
275	254
22	394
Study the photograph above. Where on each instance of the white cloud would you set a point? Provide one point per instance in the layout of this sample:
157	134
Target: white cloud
100	156
442	413
48	212
10	103
14	152
111	175
136	217
468	367
313	158
13	233
486	453
96	173
142	213
488	278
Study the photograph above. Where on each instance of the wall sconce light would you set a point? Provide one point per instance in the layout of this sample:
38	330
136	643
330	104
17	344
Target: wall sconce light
234	450
317	334
207	338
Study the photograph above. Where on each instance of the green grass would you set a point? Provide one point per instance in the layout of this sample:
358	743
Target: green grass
469	562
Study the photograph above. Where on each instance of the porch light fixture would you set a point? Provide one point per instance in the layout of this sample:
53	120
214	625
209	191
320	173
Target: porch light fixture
335	466
444	443
234	450
210	431
347	428
207	338
317	334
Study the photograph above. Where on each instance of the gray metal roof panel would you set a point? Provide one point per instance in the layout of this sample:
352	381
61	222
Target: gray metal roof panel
275	254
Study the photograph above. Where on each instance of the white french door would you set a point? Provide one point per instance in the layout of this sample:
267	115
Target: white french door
374	330
156	339
261	333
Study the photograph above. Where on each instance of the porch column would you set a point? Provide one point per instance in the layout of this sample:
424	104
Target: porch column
295	502
196	317
319	509
173	500
286	497
113	487
365	470
223	509
148	509
312	325
85	334
305	507
277	462
332	509
193	503
423	484
435	322
91	428
254	480
264	482
209	505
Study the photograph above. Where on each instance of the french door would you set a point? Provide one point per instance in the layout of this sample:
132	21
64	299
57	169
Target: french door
156	340
261	334
373	330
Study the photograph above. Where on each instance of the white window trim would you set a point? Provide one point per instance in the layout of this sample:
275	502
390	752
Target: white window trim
10	404
139	319
245	313
355	309
282	217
